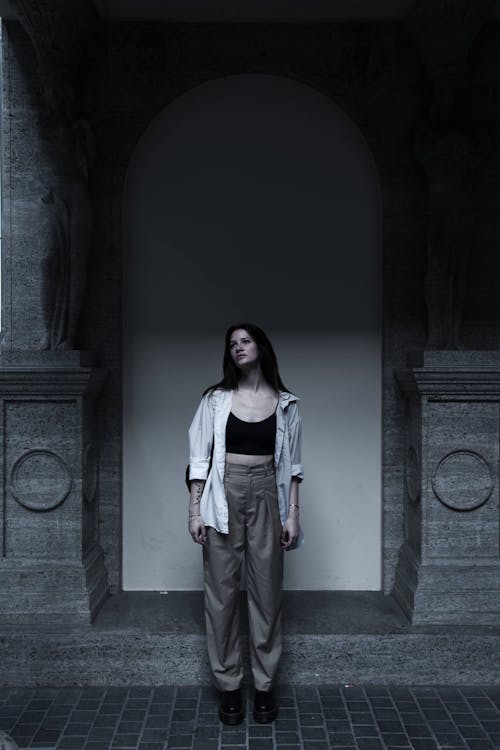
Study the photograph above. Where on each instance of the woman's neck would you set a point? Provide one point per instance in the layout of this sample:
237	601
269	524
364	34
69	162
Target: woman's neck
251	380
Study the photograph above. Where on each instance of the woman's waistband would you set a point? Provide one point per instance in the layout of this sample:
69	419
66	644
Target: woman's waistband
257	469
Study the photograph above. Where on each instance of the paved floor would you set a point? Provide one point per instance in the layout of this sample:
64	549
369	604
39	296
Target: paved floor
310	718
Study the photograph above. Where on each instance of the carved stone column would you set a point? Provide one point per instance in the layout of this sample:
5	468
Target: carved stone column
51	566
449	564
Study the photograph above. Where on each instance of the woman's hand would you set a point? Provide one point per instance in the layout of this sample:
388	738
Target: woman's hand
290	532
197	530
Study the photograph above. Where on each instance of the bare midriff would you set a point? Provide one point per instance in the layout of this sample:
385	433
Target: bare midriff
246	460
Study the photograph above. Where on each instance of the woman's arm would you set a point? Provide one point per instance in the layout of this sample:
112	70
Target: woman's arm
196	525
290	531
201	436
291	526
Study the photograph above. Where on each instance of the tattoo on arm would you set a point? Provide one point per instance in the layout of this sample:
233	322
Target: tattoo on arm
197	486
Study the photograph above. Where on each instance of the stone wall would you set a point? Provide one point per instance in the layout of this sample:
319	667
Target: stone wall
133	71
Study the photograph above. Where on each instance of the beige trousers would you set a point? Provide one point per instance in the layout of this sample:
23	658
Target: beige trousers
254	534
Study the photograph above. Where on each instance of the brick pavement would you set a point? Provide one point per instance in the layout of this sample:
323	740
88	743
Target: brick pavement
329	717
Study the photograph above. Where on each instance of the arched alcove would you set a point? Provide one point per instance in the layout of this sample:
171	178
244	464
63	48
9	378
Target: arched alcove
253	197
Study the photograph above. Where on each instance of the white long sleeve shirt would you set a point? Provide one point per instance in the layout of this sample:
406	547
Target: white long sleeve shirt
209	428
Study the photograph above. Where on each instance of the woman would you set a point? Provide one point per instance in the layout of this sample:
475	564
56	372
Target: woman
244	472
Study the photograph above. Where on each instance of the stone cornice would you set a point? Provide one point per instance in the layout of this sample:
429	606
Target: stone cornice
27	382
450	382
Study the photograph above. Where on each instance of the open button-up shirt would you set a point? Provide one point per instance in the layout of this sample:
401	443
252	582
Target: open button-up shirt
208	429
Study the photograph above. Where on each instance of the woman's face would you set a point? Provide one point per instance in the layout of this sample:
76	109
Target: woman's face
244	351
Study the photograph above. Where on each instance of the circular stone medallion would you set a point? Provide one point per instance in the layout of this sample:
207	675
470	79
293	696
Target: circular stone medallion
40	480
463	480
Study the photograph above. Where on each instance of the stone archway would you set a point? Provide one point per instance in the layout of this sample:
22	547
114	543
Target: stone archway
374	73
254	197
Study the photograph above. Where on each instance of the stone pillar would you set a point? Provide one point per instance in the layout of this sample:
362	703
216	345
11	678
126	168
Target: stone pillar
51	568
449	565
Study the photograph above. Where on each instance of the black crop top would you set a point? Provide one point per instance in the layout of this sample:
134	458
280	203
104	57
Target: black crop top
252	438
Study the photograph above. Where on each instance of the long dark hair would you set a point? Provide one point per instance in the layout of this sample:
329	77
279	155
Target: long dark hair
267	360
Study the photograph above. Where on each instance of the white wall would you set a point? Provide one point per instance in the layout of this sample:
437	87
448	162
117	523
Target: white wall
253	197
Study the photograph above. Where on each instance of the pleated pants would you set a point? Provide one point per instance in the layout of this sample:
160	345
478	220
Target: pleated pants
254	535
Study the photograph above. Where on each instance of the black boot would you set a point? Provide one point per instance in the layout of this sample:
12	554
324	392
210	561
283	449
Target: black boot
231	707
265	707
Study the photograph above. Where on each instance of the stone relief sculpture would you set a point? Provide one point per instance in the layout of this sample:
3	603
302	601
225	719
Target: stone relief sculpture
449	148
448	160
58	31
67	229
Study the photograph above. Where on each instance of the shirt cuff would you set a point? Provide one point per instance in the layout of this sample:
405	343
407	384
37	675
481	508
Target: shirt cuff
198	468
297	472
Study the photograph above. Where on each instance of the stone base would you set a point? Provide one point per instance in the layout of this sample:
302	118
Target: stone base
454	592
49	593
145	638
449	566
51	565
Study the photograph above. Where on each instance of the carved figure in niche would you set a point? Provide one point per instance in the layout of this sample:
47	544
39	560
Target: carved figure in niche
69	151
448	160
449	148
